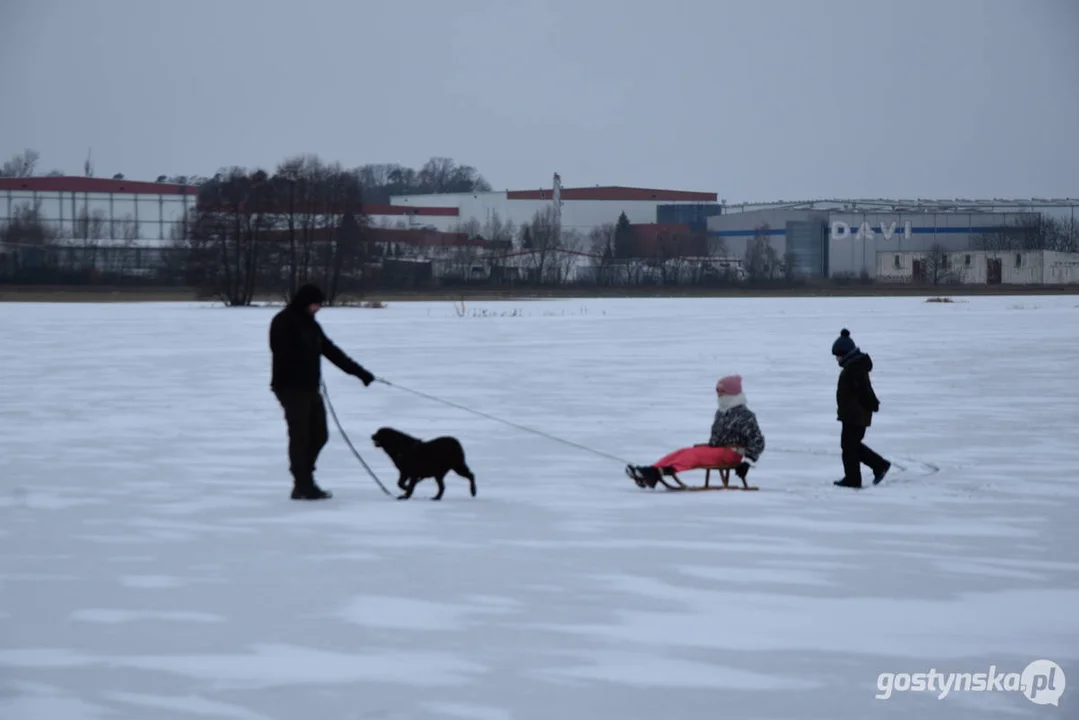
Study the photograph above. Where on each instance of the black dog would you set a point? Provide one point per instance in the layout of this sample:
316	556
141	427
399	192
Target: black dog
416	460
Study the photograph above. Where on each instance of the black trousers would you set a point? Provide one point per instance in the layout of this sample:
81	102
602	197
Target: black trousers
305	415
856	453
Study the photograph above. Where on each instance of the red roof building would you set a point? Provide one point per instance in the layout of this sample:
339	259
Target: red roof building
105	186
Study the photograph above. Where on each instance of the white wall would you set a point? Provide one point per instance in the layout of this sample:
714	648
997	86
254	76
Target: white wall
580	215
1061	268
972	267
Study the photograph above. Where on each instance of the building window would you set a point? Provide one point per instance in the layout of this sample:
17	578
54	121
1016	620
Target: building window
897	264
966	260
1018	259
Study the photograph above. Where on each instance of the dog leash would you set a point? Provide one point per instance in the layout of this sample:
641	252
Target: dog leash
524	428
326	394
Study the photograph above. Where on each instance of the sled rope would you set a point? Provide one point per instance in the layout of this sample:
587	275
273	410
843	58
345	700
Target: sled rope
524	428
326	394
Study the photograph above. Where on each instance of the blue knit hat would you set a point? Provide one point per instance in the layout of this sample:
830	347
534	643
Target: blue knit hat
843	344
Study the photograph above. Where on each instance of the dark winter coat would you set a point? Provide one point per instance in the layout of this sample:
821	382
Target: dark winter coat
738	427
855	400
298	344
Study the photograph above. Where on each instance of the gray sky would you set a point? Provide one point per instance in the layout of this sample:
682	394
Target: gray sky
755	100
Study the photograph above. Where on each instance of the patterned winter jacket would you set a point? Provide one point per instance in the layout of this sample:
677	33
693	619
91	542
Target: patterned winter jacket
738	427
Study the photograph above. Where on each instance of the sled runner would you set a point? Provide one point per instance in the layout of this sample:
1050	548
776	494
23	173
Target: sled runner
724	472
724	476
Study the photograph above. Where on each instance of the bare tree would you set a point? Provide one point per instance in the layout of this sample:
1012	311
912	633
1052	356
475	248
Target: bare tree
27	241
569	254
236	215
90	225
27	228
122	251
463	258
601	245
90	228
791	270
21	165
498	231
1030	231
351	253
670	252
438	175
544	240
470	227
311	200
443	175
761	259
346	251
937	265
1069	235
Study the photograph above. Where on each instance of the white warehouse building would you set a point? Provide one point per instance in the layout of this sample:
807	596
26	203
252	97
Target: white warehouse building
837	238
582	209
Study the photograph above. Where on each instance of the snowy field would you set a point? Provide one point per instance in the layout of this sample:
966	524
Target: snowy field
153	567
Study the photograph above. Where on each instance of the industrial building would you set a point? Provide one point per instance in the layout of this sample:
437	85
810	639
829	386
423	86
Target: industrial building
673	232
979	267
844	238
100	210
116	211
579	209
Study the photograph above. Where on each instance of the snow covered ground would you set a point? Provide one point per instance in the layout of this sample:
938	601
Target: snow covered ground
153	567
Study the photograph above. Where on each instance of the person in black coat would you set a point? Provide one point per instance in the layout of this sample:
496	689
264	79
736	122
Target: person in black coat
297	344
855	404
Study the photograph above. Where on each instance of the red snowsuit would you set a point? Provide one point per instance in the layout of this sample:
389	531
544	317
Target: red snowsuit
735	433
699	456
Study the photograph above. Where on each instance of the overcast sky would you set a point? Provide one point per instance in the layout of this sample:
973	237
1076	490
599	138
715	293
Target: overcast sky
756	100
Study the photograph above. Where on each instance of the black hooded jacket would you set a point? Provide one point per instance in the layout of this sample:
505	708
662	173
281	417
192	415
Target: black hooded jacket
298	343
855	400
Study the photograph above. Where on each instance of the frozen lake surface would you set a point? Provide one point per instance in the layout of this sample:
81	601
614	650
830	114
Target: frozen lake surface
153	567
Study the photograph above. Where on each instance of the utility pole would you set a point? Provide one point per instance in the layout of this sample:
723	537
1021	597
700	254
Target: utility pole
556	197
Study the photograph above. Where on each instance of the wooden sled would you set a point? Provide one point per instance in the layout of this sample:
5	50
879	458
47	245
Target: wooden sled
724	476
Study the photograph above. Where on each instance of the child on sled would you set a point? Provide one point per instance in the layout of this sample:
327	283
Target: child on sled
736	435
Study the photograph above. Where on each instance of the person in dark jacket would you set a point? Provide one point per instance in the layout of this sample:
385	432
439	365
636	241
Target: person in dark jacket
298	343
856	402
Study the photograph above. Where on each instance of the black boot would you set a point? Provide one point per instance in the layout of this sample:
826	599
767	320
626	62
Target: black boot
308	489
856	484
643	475
742	470
650	475
879	474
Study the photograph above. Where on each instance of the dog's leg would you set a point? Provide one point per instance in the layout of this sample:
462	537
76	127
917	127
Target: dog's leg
401	481
465	472
441	486
409	489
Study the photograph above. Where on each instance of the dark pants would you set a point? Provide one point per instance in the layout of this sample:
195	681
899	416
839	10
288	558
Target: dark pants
855	453
307	433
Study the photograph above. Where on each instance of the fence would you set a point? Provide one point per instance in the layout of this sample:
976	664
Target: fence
55	264
80	265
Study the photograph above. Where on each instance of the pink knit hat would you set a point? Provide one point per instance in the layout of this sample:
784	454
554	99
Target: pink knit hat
730	385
